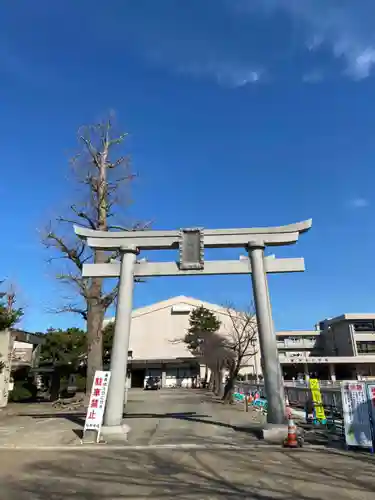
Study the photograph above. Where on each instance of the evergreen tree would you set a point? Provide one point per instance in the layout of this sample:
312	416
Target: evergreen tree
203	324
9	314
64	347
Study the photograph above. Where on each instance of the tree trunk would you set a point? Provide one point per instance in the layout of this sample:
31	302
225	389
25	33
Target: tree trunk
95	306
217	383
95	316
229	386
206	376
212	382
221	384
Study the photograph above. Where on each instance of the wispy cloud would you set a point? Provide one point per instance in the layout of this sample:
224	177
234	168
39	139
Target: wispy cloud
315	76
358	202
345	28
22	69
226	70
241	42
227	73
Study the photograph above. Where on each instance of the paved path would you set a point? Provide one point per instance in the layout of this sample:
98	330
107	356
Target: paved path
185	416
177	418
155	417
257	474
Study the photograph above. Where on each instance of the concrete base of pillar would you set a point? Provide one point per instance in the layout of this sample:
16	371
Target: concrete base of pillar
115	433
274	433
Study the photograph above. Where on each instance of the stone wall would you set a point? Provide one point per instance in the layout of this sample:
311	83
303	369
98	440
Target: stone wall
6	346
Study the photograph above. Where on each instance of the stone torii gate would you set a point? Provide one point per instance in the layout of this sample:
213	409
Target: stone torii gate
191	244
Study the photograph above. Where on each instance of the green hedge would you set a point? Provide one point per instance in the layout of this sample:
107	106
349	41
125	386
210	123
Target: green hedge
23	391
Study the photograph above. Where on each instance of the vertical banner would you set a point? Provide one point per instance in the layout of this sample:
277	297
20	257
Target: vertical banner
95	411
317	400
371	400
356	414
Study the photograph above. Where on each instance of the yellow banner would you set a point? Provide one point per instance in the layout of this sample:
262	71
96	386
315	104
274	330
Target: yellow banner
317	399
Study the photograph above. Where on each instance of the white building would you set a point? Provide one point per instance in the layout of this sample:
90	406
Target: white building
156	347
339	348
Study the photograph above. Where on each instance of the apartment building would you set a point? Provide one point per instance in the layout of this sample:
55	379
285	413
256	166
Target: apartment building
339	348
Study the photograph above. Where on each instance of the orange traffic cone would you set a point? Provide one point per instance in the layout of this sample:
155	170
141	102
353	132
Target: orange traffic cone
291	441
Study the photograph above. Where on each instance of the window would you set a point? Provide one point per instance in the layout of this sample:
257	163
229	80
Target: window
364	326
366	347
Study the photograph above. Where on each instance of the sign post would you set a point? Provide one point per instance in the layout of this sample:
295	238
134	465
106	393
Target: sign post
371	402
316	395
95	410
355	407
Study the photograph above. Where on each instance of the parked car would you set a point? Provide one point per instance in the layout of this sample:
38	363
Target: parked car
152	383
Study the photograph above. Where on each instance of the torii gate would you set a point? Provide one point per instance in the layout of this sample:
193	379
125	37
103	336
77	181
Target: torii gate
191	244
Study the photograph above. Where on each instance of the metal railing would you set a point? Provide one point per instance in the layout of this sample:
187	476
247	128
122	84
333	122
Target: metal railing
299	397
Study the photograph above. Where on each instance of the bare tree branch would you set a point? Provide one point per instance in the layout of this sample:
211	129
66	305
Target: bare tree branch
102	177
70	308
110	297
241	342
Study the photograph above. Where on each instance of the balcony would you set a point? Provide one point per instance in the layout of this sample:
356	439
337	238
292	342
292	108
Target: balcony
364	337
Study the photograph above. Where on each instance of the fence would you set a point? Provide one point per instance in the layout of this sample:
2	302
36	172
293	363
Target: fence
299	397
299	394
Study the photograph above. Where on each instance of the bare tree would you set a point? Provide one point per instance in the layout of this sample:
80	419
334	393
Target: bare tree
240	344
104	179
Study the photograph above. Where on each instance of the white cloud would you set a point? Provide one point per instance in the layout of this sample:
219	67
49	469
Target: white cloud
228	74
241	42
344	27
361	64
314	42
359	203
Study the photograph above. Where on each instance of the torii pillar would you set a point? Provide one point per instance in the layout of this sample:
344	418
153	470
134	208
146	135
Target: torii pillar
267	338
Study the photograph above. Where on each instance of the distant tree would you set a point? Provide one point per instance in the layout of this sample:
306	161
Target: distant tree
240	344
9	313
64	347
104	178
201	335
108	333
69	347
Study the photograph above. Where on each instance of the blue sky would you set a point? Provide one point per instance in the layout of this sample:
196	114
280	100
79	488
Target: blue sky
240	113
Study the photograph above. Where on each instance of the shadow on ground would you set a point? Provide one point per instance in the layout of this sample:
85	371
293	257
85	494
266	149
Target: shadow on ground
104	475
193	417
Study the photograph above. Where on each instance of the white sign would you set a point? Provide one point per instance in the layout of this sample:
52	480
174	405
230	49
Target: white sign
356	414
371	398
95	411
300	360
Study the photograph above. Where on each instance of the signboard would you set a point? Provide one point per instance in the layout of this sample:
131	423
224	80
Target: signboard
95	411
317	400
304	359
371	400
356	414
191	249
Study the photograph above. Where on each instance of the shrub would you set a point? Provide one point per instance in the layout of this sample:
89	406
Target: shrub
23	391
